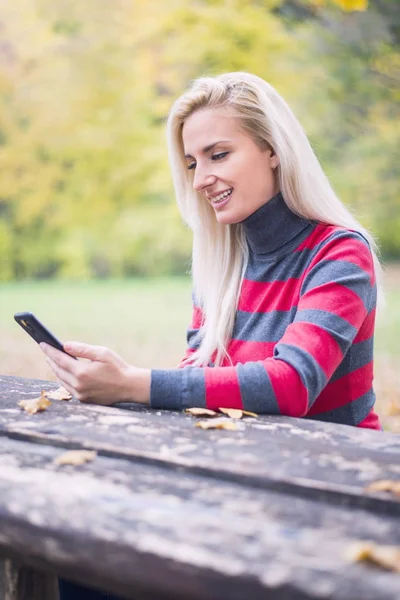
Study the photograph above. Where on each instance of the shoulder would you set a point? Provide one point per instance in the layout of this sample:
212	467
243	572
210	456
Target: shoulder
339	244
324	235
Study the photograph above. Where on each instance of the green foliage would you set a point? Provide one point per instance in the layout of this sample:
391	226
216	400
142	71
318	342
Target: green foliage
85	88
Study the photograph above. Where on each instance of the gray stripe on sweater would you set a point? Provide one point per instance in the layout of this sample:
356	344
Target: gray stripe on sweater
340	329
262	327
260	270
310	372
177	388
343	273
358	356
352	413
256	389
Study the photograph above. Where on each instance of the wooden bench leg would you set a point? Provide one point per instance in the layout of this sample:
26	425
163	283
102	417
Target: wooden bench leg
18	582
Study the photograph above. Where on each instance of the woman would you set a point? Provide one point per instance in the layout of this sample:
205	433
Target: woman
284	276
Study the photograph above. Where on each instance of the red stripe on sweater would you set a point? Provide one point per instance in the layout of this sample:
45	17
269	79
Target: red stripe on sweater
349	250
316	341
366	329
197	317
290	393
243	351
222	388
371	421
318	235
337	299
259	296
344	390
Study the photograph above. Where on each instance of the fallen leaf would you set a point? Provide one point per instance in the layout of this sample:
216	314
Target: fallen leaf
387	557
221	423
59	394
247	413
384	485
75	457
233	413
201	412
35	404
394	409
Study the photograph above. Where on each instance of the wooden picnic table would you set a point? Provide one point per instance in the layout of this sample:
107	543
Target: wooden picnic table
167	510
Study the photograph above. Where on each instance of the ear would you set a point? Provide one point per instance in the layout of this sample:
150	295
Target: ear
273	159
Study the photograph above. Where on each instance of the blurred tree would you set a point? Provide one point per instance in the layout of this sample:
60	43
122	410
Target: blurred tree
85	89
353	118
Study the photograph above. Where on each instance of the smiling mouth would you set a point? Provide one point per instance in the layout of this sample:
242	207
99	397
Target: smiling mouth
221	197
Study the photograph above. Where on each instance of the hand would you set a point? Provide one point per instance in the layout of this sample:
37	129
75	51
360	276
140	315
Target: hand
105	378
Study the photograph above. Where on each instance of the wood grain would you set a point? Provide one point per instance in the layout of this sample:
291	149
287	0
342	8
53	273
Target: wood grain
169	511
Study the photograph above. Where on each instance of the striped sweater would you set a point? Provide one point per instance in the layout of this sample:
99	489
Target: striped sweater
302	343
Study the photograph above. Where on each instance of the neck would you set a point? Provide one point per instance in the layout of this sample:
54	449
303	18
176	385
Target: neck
272	226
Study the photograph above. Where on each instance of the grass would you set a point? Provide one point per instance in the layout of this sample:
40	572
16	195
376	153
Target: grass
145	321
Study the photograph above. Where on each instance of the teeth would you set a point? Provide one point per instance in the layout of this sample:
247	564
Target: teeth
222	196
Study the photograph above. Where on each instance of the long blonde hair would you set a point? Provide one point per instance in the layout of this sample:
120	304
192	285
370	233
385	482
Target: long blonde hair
219	251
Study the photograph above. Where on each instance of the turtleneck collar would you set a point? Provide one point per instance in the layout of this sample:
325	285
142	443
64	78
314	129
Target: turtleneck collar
272	226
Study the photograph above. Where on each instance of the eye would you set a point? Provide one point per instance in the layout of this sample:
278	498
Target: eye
219	155
191	166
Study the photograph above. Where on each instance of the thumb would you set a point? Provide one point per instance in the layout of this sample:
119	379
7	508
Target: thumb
81	350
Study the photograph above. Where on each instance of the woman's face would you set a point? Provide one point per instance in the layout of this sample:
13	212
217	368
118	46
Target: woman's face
229	170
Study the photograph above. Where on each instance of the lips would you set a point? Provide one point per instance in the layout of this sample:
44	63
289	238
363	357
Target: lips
221	200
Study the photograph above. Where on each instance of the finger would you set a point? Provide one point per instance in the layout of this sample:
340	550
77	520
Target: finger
81	350
49	350
64	377
62	359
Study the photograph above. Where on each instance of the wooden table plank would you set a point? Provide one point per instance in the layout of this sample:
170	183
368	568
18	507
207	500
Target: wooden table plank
314	459
129	526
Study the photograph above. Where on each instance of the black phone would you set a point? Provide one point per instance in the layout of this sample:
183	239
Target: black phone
37	330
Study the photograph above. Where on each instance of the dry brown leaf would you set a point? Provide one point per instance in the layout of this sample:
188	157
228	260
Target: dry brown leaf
221	423
233	413
59	394
35	404
387	557
201	412
247	413
384	485
75	457
394	409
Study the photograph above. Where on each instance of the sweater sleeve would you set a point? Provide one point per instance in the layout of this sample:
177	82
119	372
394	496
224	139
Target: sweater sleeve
338	292
193	332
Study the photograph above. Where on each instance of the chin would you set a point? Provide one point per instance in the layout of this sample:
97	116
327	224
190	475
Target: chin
229	218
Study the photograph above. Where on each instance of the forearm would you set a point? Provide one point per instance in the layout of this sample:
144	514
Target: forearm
244	386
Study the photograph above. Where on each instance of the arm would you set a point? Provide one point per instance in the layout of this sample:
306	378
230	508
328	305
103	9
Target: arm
338	292
105	378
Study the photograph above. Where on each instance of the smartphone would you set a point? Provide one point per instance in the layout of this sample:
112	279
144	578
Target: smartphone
38	331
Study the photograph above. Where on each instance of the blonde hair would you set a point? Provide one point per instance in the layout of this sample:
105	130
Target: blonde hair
219	251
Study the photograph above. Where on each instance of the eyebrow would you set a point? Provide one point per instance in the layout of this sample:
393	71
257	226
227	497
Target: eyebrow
209	147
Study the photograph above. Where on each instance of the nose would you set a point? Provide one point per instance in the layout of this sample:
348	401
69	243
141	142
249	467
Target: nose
202	179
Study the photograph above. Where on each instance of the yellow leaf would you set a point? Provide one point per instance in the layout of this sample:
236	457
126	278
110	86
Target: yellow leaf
384	485
233	413
59	394
35	404
247	413
217	424
201	412
394	409
387	557
75	457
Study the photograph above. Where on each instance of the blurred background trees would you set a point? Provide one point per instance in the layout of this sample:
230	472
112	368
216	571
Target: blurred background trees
85	88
